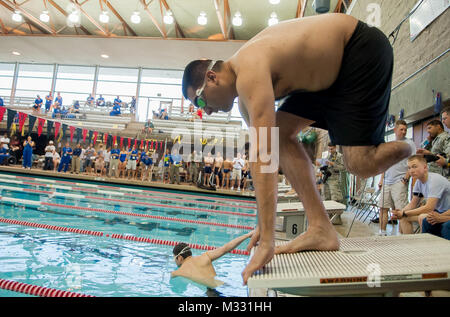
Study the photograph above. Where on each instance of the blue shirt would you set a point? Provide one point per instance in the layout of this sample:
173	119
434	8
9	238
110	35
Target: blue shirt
1	102
59	99
117	101
115	153
167	160
175	159
48	102
66	151
147	160
38	101
77	152
133	155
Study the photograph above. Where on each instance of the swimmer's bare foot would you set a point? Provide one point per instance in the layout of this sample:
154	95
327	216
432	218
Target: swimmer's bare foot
314	239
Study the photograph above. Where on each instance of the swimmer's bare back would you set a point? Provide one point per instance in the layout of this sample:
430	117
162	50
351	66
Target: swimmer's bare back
302	54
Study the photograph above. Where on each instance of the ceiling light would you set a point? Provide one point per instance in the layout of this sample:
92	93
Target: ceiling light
168	18
274	1
44	17
74	17
202	19
273	19
16	53
237	20
104	17
17	16
104	56
135	18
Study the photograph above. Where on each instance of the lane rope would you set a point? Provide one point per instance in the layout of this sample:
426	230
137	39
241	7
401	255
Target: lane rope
35	290
252	202
114	235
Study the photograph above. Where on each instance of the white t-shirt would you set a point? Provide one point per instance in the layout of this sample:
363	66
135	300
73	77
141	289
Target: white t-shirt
436	186
56	156
107	156
396	172
238	163
49	150
5	141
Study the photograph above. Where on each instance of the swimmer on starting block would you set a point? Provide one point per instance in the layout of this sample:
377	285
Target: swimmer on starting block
199	269
329	71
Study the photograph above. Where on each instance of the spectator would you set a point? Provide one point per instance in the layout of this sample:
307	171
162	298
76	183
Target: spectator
199	114
100	101
149	127
431	186
56	160
37	104
27	160
5	141
90	100
238	165
227	168
246	174
1	102
16	148
89	159
99	161
446	117
116	109
59	100
66	158
75	107
123	162
132	163
440	147
118	102
190	166
395	180
209	161
76	159
107	159
133	105
56	110
218	165
166	166
437	224
114	166
147	167
175	164
48	163
48	102
4	156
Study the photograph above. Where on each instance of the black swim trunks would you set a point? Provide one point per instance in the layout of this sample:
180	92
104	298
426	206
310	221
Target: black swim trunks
354	109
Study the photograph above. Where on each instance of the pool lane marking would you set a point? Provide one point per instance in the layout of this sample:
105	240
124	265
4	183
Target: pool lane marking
35	290
123	213
113	236
94	190
129	189
120	200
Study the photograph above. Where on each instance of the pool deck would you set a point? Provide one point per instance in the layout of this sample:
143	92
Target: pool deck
123	181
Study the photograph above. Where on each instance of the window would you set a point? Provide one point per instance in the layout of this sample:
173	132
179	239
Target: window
34	79
113	82
6	79
74	83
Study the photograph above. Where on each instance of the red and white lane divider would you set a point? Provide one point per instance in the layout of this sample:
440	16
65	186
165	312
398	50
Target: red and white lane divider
113	236
133	190
131	214
35	290
104	192
77	196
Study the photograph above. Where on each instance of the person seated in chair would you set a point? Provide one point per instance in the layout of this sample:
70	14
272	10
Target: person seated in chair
100	101
433	187
90	101
75	107
37	104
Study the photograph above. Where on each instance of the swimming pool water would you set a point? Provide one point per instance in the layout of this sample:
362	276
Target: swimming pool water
107	267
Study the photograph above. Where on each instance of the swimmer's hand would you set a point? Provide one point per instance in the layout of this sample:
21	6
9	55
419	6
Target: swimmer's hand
263	254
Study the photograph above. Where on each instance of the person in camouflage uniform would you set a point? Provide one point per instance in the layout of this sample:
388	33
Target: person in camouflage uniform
439	146
335	164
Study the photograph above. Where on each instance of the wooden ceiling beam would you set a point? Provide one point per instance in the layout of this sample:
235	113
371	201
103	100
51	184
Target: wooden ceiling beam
146	9
227	17
219	17
57	7
301	8
29	18
177	26
93	21
122	20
